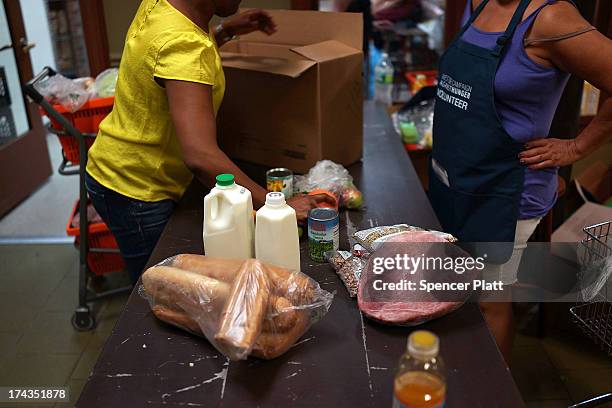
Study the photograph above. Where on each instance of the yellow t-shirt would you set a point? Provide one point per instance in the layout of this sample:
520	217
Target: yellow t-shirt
137	152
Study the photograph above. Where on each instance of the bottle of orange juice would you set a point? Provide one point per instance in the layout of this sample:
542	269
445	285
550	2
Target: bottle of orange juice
419	381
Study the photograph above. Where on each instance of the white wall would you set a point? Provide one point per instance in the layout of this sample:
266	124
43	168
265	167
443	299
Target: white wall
37	30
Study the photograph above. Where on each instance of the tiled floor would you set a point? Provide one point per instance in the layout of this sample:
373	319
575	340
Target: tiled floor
38	346
38	294
561	368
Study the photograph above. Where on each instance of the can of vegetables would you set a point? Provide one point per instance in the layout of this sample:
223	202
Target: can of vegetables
280	180
323	232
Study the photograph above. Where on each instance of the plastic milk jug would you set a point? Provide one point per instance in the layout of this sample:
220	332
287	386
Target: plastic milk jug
276	233
228	220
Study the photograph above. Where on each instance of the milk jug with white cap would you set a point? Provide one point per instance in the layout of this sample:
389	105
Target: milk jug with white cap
228	220
276	233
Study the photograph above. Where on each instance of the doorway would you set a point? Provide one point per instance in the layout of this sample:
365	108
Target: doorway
24	159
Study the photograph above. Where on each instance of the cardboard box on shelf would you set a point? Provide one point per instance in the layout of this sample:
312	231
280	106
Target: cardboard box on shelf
295	97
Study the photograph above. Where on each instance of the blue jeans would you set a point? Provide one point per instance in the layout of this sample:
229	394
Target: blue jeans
136	225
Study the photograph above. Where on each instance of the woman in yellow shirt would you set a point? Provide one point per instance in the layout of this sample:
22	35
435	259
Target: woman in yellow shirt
162	129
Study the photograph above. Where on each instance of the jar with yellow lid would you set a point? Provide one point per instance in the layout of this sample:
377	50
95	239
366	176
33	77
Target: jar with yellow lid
419	381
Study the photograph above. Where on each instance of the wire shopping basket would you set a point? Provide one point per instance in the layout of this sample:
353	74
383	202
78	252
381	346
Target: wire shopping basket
594	316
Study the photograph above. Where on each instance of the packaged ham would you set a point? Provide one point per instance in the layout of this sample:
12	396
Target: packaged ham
403	301
242	307
372	238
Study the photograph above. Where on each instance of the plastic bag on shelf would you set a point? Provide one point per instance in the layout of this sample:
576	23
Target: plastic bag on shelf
415	124
106	82
327	175
242	307
58	89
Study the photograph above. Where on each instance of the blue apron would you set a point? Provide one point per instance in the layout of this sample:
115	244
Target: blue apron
475	177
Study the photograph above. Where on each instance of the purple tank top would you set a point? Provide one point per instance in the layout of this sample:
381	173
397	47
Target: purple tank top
526	97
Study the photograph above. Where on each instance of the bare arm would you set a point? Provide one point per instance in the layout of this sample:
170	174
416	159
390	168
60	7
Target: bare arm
244	23
588	56
192	112
340	5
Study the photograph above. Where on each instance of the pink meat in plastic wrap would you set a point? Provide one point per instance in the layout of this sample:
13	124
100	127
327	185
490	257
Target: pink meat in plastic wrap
404	308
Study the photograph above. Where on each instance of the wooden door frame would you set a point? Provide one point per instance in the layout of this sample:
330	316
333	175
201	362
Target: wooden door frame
24	161
452	19
96	38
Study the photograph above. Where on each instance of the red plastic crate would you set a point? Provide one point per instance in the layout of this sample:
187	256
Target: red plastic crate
86	120
99	236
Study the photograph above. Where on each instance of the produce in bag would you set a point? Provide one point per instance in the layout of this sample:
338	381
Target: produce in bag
242	307
58	89
325	204
327	175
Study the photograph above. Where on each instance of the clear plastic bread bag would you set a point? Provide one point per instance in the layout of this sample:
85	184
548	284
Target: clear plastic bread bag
242	307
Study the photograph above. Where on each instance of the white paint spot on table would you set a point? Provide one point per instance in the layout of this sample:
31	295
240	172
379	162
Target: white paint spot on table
378	368
166	362
303	341
293	374
227	362
221	375
119	375
365	350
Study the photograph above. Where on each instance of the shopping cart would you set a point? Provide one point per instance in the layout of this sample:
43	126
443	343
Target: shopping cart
82	319
594	315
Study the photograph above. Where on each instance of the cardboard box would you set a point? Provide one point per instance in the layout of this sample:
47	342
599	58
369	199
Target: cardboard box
295	97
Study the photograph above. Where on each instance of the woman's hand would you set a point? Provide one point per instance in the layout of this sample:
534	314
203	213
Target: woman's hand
302	204
545	153
249	21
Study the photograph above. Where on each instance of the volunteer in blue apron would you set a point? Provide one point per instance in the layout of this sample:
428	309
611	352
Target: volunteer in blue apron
493	173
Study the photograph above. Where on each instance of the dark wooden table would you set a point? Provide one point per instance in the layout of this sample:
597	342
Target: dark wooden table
344	360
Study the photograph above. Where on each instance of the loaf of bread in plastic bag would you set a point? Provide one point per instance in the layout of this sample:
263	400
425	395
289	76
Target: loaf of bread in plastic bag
242	307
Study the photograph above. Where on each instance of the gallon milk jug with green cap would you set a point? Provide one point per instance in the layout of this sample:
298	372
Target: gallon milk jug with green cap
228	220
276	233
